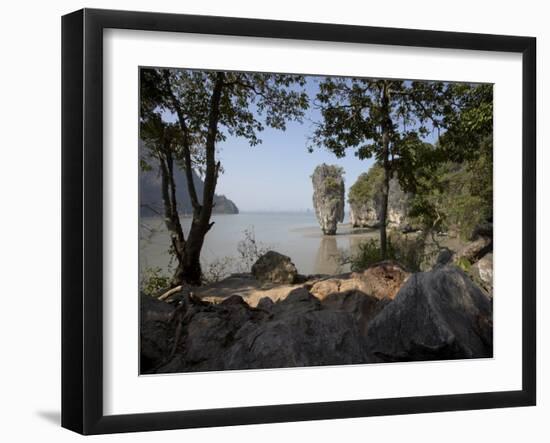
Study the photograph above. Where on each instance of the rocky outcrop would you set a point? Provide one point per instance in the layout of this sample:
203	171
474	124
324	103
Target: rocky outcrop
474	250
476	257
436	315
482	272
222	205
363	215
398	205
273	267
298	331
328	196
366	203
155	331
439	314
382	280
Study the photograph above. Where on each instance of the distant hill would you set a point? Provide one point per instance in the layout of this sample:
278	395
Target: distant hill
150	198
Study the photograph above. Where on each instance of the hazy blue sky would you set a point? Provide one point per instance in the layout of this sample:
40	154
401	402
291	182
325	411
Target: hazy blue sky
275	175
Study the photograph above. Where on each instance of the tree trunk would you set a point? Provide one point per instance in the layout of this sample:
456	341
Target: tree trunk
189	269
168	188
387	127
384	213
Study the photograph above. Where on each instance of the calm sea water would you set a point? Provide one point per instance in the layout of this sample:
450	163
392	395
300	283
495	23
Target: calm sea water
294	234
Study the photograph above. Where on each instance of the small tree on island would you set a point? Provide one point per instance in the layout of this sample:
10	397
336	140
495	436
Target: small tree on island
386	120
208	107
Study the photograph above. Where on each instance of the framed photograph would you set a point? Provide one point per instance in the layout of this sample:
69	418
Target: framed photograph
269	221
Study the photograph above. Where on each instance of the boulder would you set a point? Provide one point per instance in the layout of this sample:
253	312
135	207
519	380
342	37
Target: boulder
482	272
298	331
444	257
385	279
482	230
437	315
349	319
324	288
155	331
474	250
274	268
328	196
382	280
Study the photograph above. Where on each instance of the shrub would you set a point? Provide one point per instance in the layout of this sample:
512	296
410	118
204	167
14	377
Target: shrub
410	251
153	281
249	250
219	269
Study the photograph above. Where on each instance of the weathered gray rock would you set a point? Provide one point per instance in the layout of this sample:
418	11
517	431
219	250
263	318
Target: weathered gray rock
482	230
328	197
444	257
274	268
298	331
482	272
440	314
474	250
155	331
398	206
366	202
364	214
437	315
382	280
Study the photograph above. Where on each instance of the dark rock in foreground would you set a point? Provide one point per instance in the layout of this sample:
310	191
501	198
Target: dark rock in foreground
439	314
298	331
436	315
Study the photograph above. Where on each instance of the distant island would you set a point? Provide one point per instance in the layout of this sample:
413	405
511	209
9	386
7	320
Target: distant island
151	197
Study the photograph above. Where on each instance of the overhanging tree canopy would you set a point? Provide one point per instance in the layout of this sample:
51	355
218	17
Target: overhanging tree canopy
209	106
388	120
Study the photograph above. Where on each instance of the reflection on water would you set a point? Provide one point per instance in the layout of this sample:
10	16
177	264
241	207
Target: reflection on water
294	234
328	255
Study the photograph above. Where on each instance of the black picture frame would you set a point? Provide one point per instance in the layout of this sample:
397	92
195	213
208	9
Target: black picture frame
82	215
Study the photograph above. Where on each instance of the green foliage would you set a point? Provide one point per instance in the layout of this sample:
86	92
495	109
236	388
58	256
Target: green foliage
456	196
388	120
458	192
368	254
249	101
208	106
464	264
367	186
332	180
409	251
144	166
358	113
470	127
332	184
153	281
383	119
